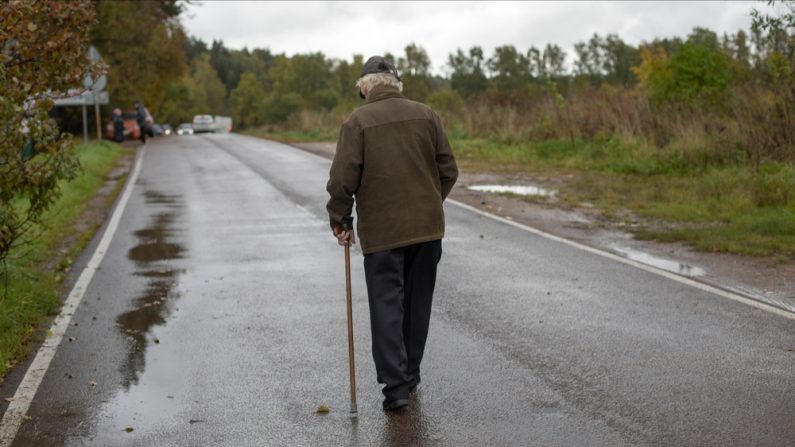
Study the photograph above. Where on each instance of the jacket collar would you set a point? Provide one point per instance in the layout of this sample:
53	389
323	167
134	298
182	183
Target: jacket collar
380	92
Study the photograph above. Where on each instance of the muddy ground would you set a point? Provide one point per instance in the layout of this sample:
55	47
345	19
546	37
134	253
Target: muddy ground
762	278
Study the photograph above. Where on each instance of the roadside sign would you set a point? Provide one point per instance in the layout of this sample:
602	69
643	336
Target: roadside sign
84	99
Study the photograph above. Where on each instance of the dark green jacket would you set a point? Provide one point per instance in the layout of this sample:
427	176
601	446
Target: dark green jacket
394	158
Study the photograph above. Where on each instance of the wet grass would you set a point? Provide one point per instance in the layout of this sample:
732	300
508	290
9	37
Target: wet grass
294	136
31	291
721	205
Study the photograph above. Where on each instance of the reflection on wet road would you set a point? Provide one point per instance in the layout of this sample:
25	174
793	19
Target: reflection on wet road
155	248
218	318
665	264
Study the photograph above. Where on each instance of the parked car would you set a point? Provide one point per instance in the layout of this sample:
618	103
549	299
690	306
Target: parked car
185	129
131	129
203	123
157	130
167	130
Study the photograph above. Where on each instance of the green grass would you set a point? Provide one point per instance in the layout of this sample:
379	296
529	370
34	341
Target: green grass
294	136
679	192
33	291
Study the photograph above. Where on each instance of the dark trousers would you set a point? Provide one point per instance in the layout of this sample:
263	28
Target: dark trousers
400	286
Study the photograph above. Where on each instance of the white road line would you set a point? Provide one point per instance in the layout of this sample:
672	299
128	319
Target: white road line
20	404
648	268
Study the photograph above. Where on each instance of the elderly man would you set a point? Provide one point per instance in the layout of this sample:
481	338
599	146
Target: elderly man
394	158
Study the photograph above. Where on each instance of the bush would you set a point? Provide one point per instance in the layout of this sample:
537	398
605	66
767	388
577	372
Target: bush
695	75
278	108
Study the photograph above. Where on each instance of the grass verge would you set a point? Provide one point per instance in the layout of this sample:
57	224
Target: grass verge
35	271
294	136
679	194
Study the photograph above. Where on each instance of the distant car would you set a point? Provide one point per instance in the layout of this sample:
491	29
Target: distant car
185	129
157	130
223	124
131	129
203	123
167	130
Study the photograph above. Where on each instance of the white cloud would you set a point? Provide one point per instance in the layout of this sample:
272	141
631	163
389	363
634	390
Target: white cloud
341	29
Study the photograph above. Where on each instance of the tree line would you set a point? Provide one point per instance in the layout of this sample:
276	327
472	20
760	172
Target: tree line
179	75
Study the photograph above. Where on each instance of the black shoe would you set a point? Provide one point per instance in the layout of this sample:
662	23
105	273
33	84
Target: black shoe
414	386
396	404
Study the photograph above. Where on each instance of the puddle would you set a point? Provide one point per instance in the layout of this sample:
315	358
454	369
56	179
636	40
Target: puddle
522	190
155	248
661	263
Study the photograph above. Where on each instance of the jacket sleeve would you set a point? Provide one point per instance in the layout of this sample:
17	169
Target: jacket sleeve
445	161
345	175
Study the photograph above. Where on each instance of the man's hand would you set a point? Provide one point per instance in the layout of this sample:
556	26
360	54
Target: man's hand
344	237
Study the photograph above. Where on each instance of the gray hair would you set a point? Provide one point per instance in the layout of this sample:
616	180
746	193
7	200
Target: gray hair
368	81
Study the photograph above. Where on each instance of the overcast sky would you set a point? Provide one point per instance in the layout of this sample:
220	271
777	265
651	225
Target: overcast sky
341	29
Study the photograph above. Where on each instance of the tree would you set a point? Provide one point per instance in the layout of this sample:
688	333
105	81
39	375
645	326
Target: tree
248	101
43	52
695	75
741	50
510	69
344	76
618	58
770	22
305	75
589	61
180	101
607	59
415	72
537	65
468	77
704	38
143	44
209	86
554	61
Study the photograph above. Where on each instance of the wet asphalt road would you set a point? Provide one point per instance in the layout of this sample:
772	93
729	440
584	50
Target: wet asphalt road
218	318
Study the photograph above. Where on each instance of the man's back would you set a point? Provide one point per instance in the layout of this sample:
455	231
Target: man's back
393	155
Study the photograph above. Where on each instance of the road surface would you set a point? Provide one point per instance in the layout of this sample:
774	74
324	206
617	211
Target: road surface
217	317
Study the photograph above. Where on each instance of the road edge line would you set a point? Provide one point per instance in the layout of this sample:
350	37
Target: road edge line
26	391
680	279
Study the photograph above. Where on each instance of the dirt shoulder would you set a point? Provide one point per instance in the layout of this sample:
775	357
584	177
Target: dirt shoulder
761	278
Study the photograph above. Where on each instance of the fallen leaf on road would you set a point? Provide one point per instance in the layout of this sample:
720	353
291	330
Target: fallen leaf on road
323	408
9	399
129	429
93	383
157	341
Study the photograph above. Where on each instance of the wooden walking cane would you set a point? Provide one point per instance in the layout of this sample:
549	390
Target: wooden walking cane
351	365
